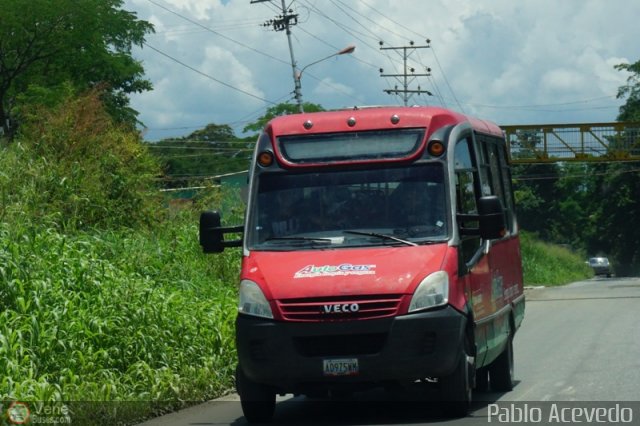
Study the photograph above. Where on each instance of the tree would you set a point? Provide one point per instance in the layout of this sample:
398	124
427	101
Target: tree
615	201
45	44
630	111
75	166
526	145
614	190
277	110
210	151
536	194
212	132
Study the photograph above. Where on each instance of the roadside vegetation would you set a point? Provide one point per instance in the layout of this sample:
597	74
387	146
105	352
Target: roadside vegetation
105	295
104	292
550	264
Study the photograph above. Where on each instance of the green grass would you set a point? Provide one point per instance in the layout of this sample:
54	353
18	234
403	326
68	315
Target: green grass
550	264
105	296
115	316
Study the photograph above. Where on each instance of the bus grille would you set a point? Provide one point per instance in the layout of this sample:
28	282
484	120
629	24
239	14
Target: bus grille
340	308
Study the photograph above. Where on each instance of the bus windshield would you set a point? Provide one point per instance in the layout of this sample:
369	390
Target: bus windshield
381	206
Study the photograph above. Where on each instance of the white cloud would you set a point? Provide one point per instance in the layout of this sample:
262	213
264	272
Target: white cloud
224	65
488	57
562	80
330	87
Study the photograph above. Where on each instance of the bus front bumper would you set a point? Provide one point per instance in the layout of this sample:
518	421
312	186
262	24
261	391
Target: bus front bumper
293	356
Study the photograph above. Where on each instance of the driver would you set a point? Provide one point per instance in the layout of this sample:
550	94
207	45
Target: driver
285	212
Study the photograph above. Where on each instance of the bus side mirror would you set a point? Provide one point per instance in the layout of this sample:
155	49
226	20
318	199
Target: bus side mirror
492	219
210	234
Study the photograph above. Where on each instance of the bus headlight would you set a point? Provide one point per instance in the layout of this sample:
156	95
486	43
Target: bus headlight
431	292
252	300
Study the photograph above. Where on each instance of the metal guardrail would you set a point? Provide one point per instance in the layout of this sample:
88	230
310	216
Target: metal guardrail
597	142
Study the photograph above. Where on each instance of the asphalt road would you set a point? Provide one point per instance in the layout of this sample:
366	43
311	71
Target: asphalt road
578	349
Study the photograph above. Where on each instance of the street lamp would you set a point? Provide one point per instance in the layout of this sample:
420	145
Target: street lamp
298	75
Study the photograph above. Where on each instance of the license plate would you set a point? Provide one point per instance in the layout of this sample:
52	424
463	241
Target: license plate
340	367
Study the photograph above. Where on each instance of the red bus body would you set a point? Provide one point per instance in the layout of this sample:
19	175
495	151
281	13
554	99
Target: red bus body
363	301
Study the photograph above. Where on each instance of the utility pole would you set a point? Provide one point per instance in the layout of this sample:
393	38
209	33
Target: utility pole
284	22
409	74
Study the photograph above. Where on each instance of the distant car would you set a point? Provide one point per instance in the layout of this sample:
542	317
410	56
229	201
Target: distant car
600	266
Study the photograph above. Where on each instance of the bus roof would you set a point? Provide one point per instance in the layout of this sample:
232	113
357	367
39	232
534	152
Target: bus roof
375	118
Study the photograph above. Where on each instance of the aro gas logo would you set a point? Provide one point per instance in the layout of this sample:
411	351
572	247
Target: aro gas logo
313	271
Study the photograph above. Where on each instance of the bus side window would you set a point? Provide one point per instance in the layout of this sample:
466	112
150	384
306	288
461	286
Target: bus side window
508	189
483	166
495	174
466	187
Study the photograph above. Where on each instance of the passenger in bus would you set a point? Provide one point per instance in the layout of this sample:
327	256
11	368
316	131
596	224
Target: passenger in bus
325	209
335	208
285	212
418	208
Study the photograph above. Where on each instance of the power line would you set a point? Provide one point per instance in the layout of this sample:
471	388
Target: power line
446	80
372	35
444	76
207	75
435	86
212	144
405	91
584	101
217	33
222	150
202	177
333	86
355	57
559	177
438	93
210	154
220	35
339	25
350	31
389	19
531	107
244	119
183	30
284	22
406	76
372	21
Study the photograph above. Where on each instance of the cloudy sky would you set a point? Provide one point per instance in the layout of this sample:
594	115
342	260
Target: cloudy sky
509	61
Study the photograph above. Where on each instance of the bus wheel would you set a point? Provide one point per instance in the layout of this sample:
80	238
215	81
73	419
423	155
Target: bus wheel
456	388
482	379
501	370
258	401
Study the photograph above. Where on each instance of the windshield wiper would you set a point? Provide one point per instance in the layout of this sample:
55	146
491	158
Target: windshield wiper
302	239
384	236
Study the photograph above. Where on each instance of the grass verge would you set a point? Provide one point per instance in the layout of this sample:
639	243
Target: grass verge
550	264
115	316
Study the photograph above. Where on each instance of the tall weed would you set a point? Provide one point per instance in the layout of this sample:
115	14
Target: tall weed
550	264
104	296
74	162
86	317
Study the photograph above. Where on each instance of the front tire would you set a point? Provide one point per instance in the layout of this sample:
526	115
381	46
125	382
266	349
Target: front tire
258	401
501	370
482	379
457	387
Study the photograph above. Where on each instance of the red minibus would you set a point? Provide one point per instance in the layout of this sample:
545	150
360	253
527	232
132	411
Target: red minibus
380	248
